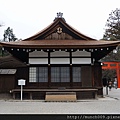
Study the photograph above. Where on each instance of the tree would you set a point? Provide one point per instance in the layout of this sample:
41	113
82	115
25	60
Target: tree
8	35
112	31
112	56
109	74
0	46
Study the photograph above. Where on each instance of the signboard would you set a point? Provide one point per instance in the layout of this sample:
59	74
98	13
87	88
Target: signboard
21	82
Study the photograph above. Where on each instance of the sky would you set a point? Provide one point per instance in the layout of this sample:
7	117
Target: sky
27	17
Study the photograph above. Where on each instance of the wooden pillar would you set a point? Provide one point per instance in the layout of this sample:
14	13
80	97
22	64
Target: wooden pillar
118	75
49	70
98	78
93	78
71	79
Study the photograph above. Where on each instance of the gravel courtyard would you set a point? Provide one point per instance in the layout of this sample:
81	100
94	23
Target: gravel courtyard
108	104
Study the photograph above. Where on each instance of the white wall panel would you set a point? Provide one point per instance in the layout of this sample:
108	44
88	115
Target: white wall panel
59	61
59	54
81	60
38	61
81	53
38	54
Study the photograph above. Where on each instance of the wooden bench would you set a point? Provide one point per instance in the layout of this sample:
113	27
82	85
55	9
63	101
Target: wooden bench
60	96
29	91
46	91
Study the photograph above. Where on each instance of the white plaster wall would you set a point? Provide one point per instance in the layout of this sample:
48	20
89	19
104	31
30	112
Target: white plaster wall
59	61
81	60
38	61
81	53
59	54
38	54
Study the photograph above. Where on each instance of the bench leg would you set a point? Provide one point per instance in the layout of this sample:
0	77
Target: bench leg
95	95
30	96
13	95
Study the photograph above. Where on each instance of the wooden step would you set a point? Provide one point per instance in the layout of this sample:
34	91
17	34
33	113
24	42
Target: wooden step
60	96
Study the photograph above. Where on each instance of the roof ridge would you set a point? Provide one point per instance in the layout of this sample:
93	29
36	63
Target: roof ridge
55	23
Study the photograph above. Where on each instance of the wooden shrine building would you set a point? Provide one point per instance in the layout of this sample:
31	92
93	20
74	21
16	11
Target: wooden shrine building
59	59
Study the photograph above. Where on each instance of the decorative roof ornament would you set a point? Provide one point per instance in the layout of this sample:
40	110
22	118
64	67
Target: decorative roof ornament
59	30
59	15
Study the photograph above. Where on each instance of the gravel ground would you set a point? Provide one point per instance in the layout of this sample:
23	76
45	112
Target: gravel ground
109	104
99	107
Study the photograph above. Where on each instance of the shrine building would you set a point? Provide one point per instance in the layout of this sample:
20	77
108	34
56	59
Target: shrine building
58	59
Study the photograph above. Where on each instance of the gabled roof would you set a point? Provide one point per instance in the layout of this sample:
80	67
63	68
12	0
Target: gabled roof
59	35
10	62
66	28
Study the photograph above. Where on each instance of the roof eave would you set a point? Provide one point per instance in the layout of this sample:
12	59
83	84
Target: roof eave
60	46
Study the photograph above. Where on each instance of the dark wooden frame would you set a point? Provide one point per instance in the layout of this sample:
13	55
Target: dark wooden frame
50	84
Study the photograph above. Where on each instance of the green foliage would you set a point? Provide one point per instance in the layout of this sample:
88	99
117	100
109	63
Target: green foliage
112	56
3	52
112	31
8	35
109	74
0	51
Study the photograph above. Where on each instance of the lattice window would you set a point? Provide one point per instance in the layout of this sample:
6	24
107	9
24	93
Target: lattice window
55	74
60	74
65	74
76	74
42	74
38	74
32	74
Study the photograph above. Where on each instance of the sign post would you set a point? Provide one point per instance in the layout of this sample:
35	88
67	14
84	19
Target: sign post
21	82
